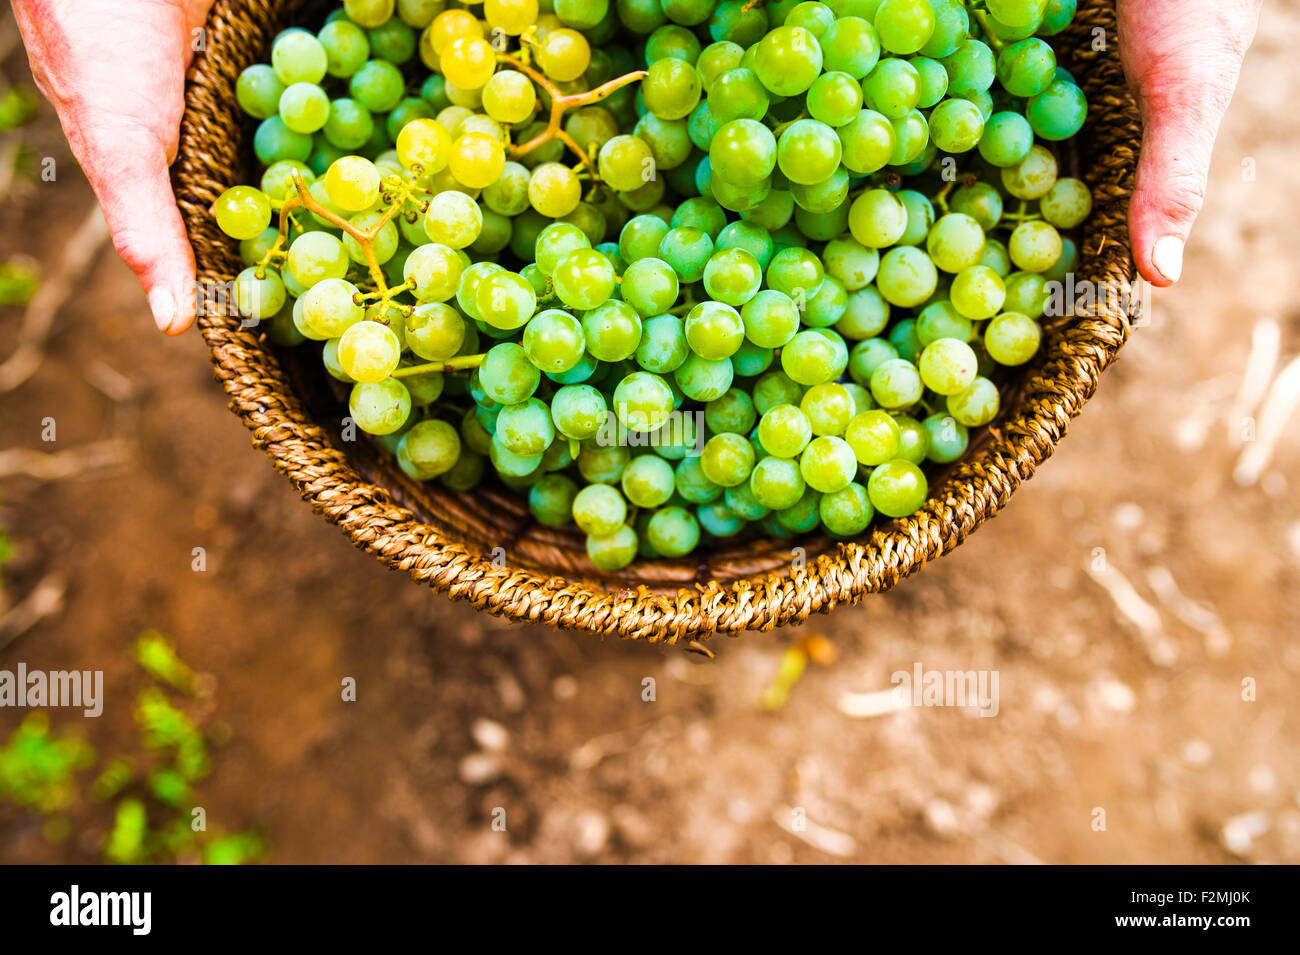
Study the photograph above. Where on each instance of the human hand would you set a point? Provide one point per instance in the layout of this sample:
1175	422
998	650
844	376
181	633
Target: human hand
1182	59
115	72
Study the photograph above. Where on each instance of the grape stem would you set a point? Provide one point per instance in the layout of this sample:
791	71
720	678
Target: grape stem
991	38
561	103
459	363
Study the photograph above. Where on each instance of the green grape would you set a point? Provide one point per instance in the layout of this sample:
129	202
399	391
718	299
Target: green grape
369	351
259	298
934	81
1026	68
1012	338
663	347
434	271
716	59
506	374
874	437
648	481
770	319
274	141
892	88
828	464
828	408
669	140
379	407
579	411
897	488
802	516
896	384
614	551
603	463
673	531
851	262
508	196
555	242
956	242
1066	264
903	337
1035	246
1017	13
850	46
640	238
868	142
727	459
920	216
750	237
750	359
304	107
981	202
940	320
349	126
739	22
584	279
911	136
978	292
731	276
971	68
826	306
772	212
700	213
612	330
551	500
599	509
687	250
808	152
948	440
951	27
642	401
258	91
1067	204
977	405
904	26
948	366
693	484
316	256
431	448
834	99
814	17
1006	140
866	313
906	277
554	341
1058	112
298	57
775	388
846	512
784	431
671	88
378	86
714	330
650	286
329	307
877	218
825	201
740	501
737	94
1032	177
787	60
453	219
776	483
796	272
434	331
1027	293
525	428
511	465
242	212
956	126
743	152
1057	16
704	379
732	413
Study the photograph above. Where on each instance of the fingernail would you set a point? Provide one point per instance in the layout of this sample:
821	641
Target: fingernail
163	305
1167	257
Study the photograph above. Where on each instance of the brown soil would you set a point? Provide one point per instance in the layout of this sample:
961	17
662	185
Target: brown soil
1094	712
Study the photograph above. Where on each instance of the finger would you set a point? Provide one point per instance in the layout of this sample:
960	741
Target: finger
127	166
1183	62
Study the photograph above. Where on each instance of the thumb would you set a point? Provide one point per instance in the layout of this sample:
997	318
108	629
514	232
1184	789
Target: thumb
127	167
1183	64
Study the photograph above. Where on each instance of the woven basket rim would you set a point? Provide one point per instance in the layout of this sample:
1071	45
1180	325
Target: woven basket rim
1078	349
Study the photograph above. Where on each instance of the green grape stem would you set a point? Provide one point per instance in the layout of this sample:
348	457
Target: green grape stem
459	363
991	38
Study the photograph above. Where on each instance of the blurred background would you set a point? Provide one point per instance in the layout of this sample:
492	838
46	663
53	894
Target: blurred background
1139	602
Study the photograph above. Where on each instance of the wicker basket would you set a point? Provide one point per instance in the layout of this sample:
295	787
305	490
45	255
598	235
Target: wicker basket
449	540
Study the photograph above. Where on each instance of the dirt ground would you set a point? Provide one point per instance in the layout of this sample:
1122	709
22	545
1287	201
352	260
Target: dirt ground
1122	599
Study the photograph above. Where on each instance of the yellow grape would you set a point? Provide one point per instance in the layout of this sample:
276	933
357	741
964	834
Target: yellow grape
424	142
554	190
452	117
470	99
512	16
509	97
477	159
470	62
450	25
564	54
352	183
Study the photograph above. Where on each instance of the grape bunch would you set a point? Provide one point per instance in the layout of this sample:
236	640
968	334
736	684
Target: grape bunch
670	268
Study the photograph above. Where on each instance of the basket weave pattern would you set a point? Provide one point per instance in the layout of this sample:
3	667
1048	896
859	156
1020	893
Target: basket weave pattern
447	539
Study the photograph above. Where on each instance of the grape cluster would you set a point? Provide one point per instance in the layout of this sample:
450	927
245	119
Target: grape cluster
670	267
